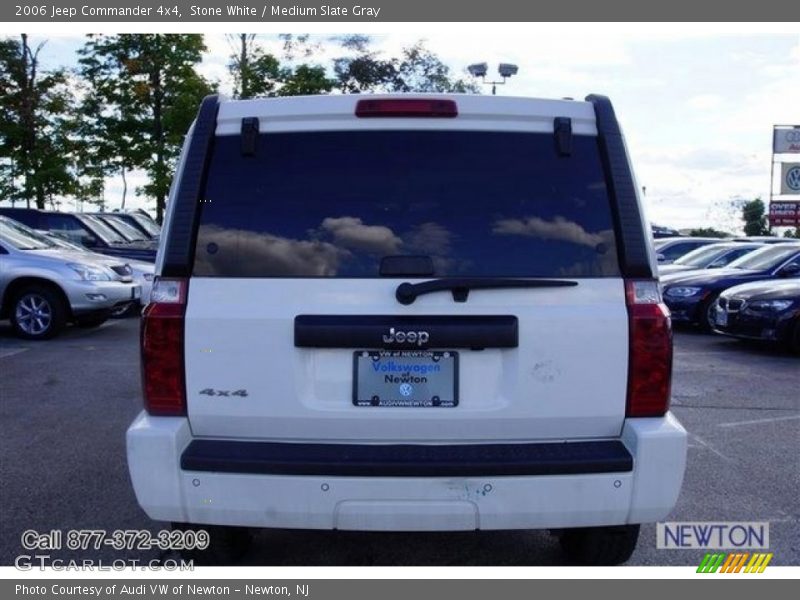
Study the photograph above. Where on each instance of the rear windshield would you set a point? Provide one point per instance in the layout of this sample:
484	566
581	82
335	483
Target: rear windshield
103	231
21	237
765	258
125	229
146	224
333	204
702	256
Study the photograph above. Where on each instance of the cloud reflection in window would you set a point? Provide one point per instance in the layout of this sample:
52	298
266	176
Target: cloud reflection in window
259	253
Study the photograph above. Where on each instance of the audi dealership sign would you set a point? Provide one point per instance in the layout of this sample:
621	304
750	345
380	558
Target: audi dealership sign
786	140
784	212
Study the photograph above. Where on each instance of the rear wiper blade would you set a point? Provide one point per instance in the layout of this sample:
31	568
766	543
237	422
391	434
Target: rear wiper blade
406	292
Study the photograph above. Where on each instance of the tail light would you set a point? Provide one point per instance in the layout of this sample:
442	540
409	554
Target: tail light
162	348
407	107
650	348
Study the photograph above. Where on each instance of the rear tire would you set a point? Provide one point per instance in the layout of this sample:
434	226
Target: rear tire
707	312
38	312
600	546
794	337
227	545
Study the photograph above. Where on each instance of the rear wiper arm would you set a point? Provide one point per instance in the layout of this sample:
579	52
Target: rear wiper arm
408	292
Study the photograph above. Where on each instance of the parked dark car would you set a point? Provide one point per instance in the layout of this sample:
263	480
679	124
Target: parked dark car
82	229
129	232
691	297
765	239
671	248
143	224
660	231
713	256
764	310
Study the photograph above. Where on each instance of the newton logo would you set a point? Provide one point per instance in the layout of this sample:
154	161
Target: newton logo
698	535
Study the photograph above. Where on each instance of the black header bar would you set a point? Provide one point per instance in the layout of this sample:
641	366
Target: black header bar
383	11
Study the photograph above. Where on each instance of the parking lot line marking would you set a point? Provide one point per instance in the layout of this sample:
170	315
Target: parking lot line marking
708	446
711	406
757	421
92	331
11	352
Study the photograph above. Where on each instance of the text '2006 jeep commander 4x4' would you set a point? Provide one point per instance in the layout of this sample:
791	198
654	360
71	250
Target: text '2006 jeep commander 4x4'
408	313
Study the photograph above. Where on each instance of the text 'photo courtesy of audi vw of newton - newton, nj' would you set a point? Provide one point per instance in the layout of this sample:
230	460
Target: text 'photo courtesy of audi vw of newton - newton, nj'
464	332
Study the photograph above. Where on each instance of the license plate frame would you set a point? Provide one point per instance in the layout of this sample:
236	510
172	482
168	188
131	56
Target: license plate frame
423	392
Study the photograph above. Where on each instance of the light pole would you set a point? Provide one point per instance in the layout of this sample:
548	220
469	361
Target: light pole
505	70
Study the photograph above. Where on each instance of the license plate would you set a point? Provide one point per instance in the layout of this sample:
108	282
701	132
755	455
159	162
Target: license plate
416	378
136	292
722	318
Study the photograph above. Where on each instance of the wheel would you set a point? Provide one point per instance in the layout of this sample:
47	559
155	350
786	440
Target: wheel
600	546
38	313
708	313
227	545
91	322
794	337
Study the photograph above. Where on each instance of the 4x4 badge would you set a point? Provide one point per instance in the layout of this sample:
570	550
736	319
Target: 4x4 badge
213	392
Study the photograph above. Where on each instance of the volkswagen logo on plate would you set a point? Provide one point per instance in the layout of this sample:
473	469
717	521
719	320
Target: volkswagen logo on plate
406	389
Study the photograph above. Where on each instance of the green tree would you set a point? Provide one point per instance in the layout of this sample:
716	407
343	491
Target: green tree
295	46
107	134
300	77
792	233
305	80
146	91
420	70
256	73
363	70
36	109
755	218
709	232
259	73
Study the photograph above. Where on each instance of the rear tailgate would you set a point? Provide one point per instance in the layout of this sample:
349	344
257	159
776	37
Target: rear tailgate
567	378
299	227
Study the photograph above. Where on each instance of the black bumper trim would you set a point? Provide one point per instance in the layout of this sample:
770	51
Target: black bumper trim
478	460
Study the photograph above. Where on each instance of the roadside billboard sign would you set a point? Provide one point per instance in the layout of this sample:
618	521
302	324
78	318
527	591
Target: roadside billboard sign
786	140
784	213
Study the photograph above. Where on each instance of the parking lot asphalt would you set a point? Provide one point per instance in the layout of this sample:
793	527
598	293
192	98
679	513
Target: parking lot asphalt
65	405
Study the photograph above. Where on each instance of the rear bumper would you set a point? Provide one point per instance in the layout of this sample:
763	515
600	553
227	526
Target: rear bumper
749	325
635	479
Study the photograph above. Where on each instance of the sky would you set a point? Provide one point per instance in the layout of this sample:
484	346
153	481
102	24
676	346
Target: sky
697	103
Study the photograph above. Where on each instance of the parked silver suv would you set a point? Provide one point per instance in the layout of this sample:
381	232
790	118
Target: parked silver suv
42	287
